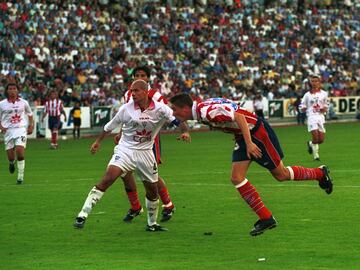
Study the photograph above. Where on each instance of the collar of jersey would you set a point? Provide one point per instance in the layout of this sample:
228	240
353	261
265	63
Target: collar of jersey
151	105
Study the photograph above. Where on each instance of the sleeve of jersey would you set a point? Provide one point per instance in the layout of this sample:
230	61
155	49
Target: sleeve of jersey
303	103
28	109
218	113
117	120
327	101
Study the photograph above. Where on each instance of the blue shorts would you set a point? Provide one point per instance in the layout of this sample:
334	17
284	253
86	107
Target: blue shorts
265	138
54	122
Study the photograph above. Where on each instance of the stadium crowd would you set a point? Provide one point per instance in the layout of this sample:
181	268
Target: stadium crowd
87	49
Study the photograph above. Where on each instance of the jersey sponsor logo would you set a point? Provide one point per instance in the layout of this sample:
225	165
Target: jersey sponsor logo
142	136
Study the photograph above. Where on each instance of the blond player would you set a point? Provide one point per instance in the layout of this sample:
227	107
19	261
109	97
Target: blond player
16	122
141	120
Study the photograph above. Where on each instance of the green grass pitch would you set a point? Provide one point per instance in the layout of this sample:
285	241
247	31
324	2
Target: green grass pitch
315	231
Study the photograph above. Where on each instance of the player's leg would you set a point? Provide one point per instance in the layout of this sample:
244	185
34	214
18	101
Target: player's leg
95	194
10	152
168	206
148	173
131	192
315	140
20	156
299	173
251	197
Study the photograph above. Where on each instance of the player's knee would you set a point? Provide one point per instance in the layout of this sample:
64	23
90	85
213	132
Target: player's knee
238	180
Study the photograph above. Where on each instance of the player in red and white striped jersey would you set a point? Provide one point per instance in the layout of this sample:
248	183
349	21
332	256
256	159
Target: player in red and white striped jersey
16	122
54	108
255	141
143	73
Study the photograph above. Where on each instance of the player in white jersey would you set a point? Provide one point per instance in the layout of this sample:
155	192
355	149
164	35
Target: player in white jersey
16	121
143	73
141	120
315	103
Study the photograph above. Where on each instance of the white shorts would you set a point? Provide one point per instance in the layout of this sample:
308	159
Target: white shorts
15	137
143	161
316	123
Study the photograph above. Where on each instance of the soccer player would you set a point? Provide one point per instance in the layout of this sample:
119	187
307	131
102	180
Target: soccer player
54	107
315	103
16	121
141	120
255	141
143	73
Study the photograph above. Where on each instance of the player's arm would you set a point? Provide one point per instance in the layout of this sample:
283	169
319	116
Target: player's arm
30	127
29	113
302	105
63	112
2	129
43	115
96	145
185	134
251	148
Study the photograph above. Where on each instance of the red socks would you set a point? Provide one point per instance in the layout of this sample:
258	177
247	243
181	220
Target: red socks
302	173
54	138
165	198
250	195
134	200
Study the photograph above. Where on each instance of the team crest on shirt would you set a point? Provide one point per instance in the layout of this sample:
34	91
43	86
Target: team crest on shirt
142	136
15	119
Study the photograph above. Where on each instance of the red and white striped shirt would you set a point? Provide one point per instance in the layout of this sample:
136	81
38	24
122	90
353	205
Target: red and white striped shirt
219	113
54	107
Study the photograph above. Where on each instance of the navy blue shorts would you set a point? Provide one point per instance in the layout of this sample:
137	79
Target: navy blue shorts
54	122
265	138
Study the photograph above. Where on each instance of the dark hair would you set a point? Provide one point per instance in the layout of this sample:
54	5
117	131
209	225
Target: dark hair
7	87
181	100
142	68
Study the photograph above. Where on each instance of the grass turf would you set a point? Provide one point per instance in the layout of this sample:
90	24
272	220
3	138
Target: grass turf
315	231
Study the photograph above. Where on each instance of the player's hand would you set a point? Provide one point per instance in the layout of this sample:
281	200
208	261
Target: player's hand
253	150
94	147
184	137
30	130
117	138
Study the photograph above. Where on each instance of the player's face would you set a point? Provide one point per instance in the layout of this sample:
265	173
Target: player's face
315	83
138	93
181	114
12	92
53	95
141	75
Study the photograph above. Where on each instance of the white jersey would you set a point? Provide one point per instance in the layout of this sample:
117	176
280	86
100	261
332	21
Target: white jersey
140	128
314	102
14	114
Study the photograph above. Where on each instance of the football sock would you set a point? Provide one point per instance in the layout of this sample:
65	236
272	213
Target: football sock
315	148
152	211
78	132
165	198
54	137
21	169
133	199
93	197
252	198
299	173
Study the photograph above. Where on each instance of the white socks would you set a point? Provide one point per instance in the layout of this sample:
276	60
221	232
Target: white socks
315	148
152	211
21	169
91	200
